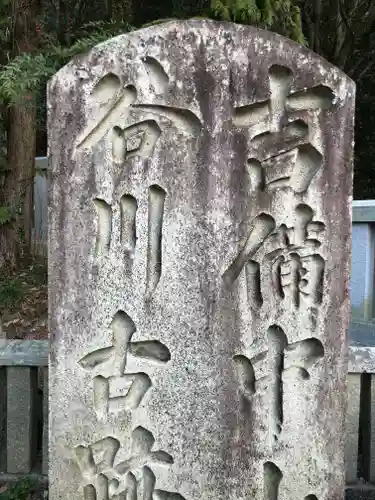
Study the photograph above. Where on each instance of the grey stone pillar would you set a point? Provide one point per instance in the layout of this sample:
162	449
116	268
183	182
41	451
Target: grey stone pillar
200	221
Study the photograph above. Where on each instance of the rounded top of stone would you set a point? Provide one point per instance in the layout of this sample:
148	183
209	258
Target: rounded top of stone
201	30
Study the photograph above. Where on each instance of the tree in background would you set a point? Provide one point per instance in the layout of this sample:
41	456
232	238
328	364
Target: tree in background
281	16
37	40
343	32
19	125
45	35
54	31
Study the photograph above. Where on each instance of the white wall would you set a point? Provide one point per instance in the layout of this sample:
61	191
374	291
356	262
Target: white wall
40	233
363	256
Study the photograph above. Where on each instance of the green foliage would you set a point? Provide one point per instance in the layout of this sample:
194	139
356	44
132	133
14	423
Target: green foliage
281	16
22	490
23	75
38	272
27	74
242	11
4	166
6	215
104	28
11	293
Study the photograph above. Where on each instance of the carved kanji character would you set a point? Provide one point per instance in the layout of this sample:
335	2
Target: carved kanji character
271	365
130	479
283	155
290	261
297	270
112	360
120	103
128	233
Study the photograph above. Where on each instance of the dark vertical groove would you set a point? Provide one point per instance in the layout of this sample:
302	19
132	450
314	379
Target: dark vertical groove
128	210
38	416
36	428
364	435
277	342
272	477
156	200
104	234
253	282
3	419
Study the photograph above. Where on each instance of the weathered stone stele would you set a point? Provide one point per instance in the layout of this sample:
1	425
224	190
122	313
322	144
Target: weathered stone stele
200	221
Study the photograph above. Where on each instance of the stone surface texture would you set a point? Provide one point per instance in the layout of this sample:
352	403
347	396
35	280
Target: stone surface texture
200	221
24	352
361	359
352	427
21	430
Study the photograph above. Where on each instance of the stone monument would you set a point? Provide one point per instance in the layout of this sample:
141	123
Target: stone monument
200	220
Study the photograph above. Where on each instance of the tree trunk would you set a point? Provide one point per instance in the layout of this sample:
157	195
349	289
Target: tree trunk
18	184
